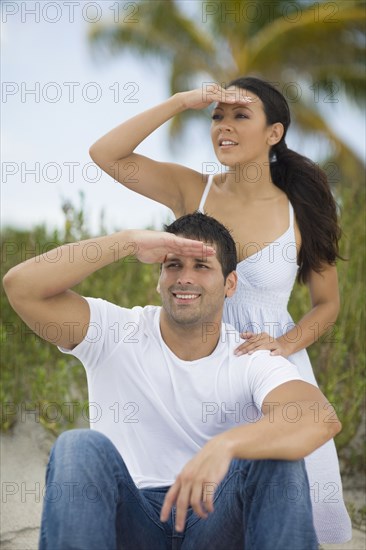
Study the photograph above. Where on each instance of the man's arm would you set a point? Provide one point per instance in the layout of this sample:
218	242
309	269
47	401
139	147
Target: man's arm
39	289
297	419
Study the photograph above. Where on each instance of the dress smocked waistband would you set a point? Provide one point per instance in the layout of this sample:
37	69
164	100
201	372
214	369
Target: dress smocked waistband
259	297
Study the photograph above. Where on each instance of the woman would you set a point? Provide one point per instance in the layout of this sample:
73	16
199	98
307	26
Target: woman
280	209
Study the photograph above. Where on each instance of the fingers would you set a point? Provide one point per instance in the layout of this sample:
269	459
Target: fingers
234	95
255	342
196	501
208	496
181	245
197	247
252	340
169	500
247	335
186	495
182	506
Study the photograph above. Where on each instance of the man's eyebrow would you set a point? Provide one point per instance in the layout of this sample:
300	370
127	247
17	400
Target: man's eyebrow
204	260
201	260
171	260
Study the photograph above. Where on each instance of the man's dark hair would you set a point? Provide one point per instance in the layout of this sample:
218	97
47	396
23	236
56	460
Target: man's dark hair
205	228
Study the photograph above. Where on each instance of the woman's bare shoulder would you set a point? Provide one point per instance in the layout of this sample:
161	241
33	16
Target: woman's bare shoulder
192	185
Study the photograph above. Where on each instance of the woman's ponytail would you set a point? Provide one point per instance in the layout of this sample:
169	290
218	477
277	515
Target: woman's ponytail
307	188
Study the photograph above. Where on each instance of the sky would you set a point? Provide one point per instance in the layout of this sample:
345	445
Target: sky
58	99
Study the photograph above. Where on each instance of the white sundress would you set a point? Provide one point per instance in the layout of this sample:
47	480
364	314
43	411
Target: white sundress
265	282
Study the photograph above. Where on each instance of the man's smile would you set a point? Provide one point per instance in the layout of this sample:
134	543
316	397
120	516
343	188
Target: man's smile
185	297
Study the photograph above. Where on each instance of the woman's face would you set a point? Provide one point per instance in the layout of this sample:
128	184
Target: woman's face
239	132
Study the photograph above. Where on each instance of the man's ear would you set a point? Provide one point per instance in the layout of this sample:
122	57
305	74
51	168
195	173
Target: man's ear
158	285
230	284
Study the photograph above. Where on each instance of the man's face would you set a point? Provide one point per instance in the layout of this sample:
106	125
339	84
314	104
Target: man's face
193	289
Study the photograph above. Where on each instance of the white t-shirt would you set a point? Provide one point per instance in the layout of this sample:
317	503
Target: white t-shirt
157	409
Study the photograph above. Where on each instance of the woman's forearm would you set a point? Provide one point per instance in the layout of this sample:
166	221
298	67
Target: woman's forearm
122	140
310	328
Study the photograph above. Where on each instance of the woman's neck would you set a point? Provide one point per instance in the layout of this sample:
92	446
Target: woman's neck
251	180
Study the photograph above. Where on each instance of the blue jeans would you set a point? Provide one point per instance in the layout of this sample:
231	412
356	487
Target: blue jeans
91	502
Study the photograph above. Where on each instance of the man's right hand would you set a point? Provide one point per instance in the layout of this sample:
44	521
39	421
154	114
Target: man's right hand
154	246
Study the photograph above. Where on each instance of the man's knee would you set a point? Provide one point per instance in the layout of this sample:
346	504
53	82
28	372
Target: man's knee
263	468
288	468
74	443
278	479
291	470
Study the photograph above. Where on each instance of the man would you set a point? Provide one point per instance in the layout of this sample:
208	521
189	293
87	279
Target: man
192	445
